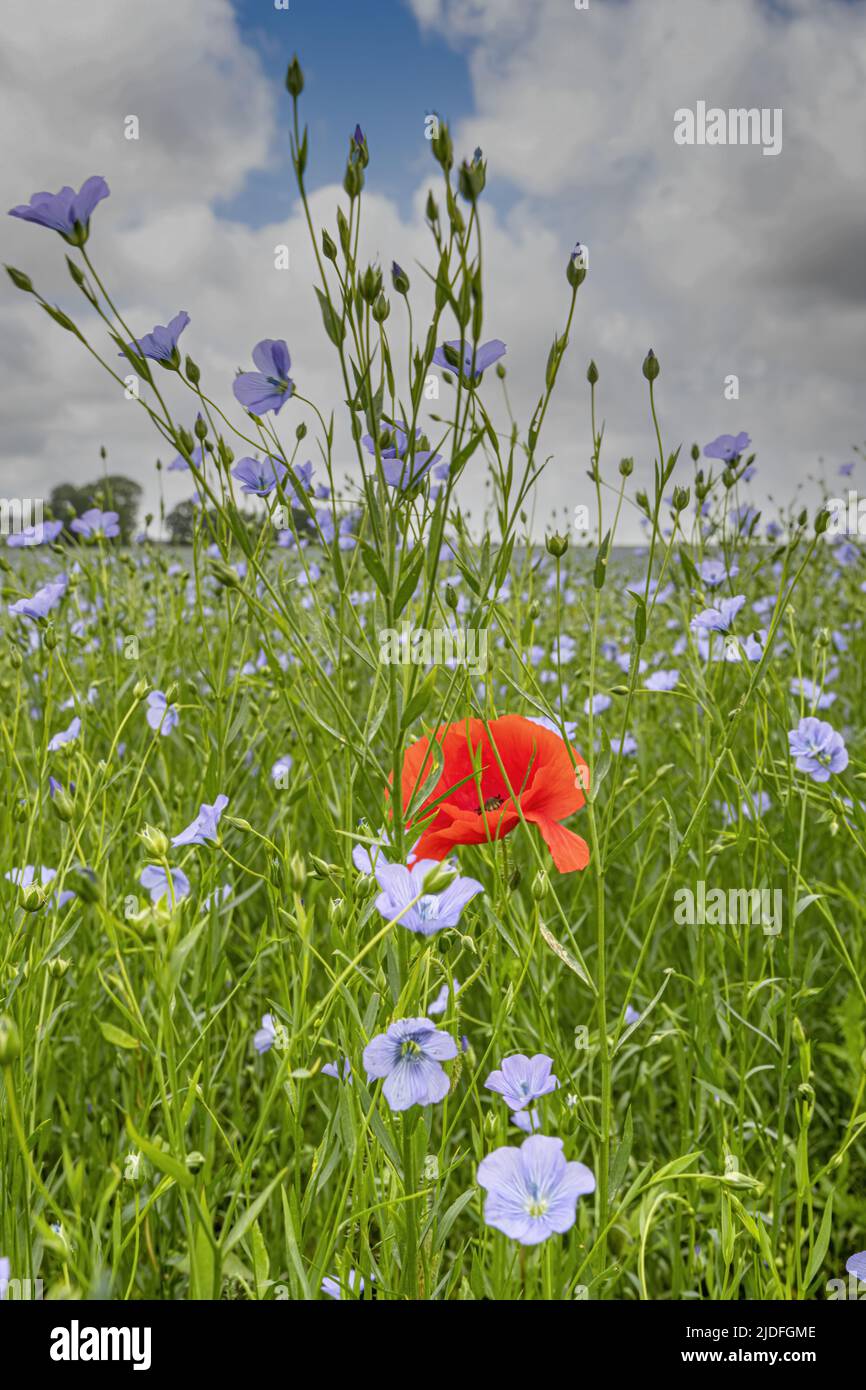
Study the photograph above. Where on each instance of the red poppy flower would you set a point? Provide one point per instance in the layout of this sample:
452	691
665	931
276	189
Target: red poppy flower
472	800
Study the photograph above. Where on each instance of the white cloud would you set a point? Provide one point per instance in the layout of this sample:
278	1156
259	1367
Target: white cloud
723	260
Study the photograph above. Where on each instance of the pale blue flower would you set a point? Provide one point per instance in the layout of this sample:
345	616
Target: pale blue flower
408	1055
532	1191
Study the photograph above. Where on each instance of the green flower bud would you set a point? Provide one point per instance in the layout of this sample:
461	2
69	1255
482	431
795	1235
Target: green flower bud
443	148
33	897
381	309
540	885
626	467
155	841
472	178
10	1041
193	373
297	872
295	78
329	248
578	265
432	209
399	278
592	373
57	967
353	180
451	596
696	453
62	804
681	498
437	880
651	366
19	279
371	284
822	521
556	545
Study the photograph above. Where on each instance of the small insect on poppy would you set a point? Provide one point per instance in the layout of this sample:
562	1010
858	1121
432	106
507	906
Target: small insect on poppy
494	773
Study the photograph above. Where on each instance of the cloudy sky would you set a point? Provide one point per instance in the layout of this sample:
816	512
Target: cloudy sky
724	260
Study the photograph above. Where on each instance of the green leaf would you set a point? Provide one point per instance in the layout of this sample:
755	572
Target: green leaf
117	1037
333	327
565	956
376	570
823	1241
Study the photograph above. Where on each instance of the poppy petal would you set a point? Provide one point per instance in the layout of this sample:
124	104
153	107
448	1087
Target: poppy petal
569	851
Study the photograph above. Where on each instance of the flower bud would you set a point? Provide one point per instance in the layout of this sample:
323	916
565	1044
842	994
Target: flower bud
33	897
540	885
592	373
193	373
371	284
19	279
626	467
578	265
556	545
329	247
399	278
696	453
381	309
651	366
64	807
822	521
155	841
681	498
297	872
10	1041
451	597
295	78
472	178
436	880
57	967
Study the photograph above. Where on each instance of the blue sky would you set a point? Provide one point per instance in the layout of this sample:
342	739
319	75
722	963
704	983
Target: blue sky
363	62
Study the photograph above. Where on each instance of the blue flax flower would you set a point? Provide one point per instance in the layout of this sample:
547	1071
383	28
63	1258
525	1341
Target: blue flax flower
408	1056
205	826
818	748
160	714
473	366
42	602
96	525
521	1080
161	343
727	447
66	212
259	476
532	1191
432	911
155	880
271	386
